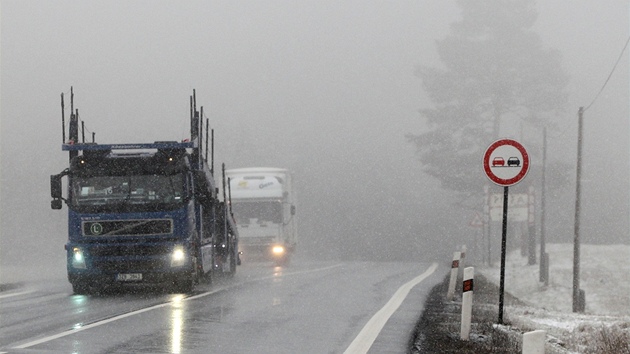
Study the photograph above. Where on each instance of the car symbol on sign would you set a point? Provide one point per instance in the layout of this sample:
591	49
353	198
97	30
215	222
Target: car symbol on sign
498	161
514	161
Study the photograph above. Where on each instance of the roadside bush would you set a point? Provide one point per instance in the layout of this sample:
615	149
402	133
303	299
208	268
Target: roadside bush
602	340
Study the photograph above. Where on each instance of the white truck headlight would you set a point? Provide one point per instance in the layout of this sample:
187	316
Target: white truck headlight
278	250
178	257
78	260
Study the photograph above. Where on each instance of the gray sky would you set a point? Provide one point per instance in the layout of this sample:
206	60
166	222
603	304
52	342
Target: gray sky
324	88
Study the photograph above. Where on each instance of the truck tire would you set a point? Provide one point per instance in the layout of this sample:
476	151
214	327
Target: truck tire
80	289
283	261
184	284
208	277
233	261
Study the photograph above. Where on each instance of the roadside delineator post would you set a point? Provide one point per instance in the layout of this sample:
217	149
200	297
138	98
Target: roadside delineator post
453	280
460	271
534	342
467	299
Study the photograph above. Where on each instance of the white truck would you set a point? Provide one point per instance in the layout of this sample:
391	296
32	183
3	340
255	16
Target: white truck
263	202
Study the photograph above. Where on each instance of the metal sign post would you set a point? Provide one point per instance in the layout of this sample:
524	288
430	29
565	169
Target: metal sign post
506	163
503	252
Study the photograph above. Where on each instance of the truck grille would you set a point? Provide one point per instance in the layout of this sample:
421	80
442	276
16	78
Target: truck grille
129	250
128	227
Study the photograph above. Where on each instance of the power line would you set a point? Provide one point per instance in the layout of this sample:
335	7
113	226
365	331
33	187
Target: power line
609	75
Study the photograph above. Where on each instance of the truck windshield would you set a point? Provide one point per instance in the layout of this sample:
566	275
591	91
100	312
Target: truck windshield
257	212
141	192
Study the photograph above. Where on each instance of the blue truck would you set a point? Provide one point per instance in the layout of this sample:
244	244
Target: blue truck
144	213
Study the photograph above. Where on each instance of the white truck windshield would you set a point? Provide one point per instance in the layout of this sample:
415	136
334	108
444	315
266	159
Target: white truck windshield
261	211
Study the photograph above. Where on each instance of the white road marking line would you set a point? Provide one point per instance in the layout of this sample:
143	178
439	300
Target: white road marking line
115	318
15	294
313	270
363	342
133	313
283	274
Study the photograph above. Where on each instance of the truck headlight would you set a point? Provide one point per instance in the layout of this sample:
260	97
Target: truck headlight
178	257
278	250
78	260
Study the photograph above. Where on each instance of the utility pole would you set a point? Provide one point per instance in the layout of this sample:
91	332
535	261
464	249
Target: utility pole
531	226
544	266
578	295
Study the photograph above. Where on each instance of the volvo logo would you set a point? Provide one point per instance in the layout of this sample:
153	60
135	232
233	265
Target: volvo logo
96	228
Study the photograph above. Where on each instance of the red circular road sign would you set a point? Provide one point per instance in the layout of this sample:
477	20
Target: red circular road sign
506	162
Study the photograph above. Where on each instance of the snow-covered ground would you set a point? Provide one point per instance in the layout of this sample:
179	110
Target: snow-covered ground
604	276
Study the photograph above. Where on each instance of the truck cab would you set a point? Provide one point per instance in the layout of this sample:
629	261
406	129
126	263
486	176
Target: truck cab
264	204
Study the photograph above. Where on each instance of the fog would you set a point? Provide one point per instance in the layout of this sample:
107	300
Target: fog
324	88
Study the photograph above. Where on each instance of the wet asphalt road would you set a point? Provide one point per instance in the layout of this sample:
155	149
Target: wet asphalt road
307	307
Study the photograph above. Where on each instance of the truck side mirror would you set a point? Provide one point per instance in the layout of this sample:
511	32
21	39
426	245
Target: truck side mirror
292	209
55	204
55	187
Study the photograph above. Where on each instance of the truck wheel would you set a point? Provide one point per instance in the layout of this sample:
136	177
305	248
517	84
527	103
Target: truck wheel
208	277
233	262
80	289
283	261
184	284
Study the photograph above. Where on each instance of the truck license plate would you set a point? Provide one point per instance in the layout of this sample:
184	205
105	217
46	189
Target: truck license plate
129	277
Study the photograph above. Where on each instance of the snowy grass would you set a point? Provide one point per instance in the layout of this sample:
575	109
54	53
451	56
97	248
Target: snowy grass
604	327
